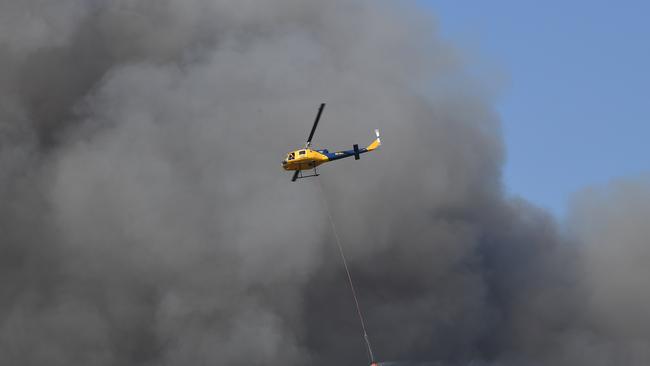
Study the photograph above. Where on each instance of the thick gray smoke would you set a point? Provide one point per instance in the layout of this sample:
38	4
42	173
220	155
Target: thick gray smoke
145	219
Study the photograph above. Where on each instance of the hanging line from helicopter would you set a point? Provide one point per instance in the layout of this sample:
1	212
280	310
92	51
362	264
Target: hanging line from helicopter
308	159
371	356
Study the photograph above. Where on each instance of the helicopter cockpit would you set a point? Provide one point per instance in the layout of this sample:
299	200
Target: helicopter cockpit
290	156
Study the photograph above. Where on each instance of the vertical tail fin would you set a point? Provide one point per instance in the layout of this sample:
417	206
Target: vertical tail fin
375	144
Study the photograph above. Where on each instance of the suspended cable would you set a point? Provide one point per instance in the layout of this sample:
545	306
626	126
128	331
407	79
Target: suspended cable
347	271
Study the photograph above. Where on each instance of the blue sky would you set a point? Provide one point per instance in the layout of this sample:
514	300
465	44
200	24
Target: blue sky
576	103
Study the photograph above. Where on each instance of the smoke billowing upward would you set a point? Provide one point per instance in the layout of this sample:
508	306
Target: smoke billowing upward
145	219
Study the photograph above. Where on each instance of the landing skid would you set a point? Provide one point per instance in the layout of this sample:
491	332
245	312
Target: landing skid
298	175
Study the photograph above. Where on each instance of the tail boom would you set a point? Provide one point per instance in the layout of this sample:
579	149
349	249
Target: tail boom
356	151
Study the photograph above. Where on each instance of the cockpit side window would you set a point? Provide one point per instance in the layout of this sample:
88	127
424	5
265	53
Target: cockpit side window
291	156
301	152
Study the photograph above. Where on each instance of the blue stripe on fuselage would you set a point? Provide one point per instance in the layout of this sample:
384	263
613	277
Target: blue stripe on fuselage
341	154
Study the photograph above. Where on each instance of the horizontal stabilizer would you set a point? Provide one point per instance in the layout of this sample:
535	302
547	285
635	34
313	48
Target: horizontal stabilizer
356	151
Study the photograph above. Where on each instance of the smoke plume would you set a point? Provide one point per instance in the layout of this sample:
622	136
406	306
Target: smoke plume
145	219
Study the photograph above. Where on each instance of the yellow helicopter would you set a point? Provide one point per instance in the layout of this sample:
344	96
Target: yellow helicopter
308	158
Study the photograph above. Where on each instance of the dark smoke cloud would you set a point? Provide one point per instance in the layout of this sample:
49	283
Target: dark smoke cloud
145	219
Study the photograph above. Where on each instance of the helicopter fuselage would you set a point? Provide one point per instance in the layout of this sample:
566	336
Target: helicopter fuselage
307	158
304	159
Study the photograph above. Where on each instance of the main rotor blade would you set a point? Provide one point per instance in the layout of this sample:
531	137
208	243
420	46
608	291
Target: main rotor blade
313	129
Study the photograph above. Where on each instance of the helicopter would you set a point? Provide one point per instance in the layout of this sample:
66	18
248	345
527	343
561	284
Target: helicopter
307	158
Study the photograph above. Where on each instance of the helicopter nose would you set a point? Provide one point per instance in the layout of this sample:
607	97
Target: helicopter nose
284	162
